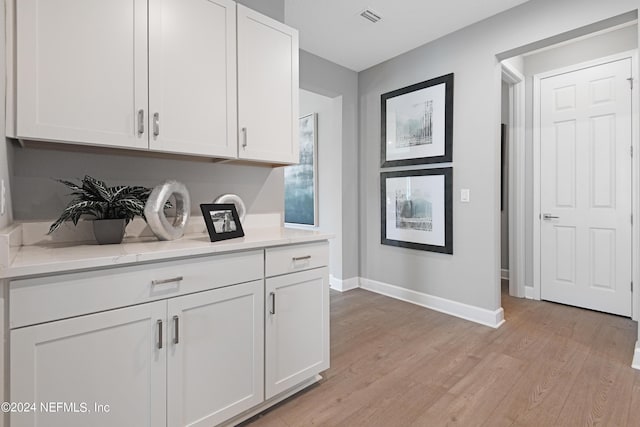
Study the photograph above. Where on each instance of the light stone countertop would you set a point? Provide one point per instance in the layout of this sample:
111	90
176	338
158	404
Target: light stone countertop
43	259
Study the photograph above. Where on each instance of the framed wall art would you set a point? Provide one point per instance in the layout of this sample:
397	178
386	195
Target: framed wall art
417	123
222	221
301	180
417	209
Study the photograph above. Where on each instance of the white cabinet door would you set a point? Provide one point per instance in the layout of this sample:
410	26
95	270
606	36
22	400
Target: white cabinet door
267	89
111	358
81	71
296	328
192	77
215	361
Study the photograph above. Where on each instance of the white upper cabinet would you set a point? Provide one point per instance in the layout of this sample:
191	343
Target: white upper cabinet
192	77
176	76
267	89
81	70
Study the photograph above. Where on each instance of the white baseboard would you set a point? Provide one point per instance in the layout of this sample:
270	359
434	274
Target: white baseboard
636	357
494	319
504	274
344	285
528	292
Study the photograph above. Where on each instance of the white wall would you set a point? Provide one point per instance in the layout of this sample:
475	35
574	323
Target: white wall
471	274
329	135
582	50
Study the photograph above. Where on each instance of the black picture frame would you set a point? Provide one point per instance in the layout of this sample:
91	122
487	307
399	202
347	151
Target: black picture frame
227	213
443	212
447	123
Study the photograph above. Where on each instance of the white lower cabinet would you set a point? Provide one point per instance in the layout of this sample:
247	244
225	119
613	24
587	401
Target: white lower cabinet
201	341
194	360
109	358
296	328
215	355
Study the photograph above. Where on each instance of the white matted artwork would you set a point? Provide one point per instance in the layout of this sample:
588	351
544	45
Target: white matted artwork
417	123
417	209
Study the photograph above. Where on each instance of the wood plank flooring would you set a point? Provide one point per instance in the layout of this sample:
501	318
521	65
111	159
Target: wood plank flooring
397	364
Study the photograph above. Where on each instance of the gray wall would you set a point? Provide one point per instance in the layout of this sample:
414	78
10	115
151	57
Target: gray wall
329	134
326	78
38	197
591	48
272	8
471	275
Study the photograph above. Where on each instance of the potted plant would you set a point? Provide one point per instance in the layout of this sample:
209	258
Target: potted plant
112	207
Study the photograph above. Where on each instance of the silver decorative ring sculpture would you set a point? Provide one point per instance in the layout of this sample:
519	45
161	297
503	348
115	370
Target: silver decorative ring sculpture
154	210
236	200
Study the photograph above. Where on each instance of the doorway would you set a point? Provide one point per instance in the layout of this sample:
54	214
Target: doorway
513	177
540	58
583	177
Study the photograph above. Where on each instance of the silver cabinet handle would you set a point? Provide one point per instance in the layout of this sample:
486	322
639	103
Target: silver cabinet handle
301	258
548	217
156	124
176	326
140	122
163	281
244	137
272	295
159	323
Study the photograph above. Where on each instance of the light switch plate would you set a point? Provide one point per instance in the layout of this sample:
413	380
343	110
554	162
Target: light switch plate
464	195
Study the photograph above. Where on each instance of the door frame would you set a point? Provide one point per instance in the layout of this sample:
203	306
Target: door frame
517	190
635	167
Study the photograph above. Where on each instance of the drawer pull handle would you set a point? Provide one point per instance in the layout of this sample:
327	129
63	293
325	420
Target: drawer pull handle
159	323
176	325
163	281
301	258
272	310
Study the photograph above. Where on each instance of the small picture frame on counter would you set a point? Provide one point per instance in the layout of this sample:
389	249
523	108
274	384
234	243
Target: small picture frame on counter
222	221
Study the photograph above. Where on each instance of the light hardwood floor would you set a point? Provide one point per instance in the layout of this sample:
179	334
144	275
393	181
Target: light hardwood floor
397	364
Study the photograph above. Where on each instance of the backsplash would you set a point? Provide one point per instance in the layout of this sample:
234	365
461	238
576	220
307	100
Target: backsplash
35	232
37	196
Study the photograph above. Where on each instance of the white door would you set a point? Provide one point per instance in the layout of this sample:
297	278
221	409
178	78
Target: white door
267	89
192	77
296	328
108	363
585	188
215	364
81	71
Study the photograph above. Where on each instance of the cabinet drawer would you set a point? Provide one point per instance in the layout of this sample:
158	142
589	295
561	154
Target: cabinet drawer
287	259
50	298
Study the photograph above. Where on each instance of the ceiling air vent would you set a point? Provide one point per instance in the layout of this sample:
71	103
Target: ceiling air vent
371	15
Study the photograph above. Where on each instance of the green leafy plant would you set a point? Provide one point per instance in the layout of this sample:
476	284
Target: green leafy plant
93	197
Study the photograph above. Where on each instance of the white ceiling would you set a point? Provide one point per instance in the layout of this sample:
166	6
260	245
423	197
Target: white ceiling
334	29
